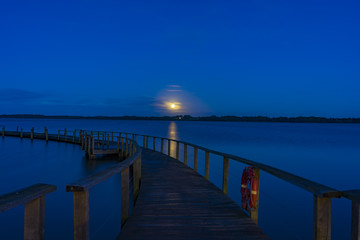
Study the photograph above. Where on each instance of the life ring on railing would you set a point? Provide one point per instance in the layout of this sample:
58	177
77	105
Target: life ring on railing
249	188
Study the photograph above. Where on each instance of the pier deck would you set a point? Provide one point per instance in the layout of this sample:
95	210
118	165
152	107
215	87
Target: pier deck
175	202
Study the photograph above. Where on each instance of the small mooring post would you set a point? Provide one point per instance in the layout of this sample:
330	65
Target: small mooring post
32	133
46	135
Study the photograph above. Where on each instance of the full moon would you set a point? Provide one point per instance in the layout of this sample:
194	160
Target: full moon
173	106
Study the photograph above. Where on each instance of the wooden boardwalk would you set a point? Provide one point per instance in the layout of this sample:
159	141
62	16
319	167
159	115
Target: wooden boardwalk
175	202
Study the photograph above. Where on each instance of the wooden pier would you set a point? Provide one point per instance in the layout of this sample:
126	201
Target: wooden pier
170	200
177	203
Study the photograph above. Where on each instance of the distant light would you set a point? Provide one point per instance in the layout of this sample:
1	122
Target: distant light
173	106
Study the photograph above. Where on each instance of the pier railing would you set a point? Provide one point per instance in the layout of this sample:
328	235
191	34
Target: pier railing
34	214
92	140
81	188
322	194
34	196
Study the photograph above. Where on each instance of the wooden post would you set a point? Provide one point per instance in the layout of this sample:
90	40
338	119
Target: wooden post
177	150
225	175
85	143
108	140
355	220
65	134
143	141
207	161
127	147
162	145
185	154
154	143
22	133
195	159
136	174
34	219
118	144
169	147
122	146
80	134
32	133
254	213
103	139
46	135
81	215
124	195
322	218
147	142
3	132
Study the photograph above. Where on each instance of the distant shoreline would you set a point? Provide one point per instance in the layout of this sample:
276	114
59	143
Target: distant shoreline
299	119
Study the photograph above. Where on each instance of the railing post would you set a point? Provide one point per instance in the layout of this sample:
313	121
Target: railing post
46	134
322	218
127	147
34	219
195	159
143	141
254	213
225	175
185	154
207	163
177	150
147	142
22	133
124	195
32	133
136	174
65	134
80	135
154	143
169	147
118	144
355	220
162	145
81	215
122	147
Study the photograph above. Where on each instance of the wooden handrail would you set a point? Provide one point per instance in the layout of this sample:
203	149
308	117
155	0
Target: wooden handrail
34	213
24	195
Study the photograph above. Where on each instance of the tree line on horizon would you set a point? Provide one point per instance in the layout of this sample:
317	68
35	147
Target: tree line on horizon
300	119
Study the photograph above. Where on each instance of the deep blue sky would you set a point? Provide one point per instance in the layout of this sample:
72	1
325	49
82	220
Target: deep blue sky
275	58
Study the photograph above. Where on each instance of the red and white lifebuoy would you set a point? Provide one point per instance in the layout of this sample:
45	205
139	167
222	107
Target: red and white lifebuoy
249	188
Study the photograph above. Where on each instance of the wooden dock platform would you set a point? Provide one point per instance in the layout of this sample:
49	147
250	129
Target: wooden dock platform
175	202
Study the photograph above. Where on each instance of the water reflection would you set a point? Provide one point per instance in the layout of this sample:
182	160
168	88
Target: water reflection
173	134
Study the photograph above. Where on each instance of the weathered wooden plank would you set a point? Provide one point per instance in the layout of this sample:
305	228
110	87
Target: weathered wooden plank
177	203
24	195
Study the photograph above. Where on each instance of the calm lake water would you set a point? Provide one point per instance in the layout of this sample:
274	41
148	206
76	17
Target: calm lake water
325	153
